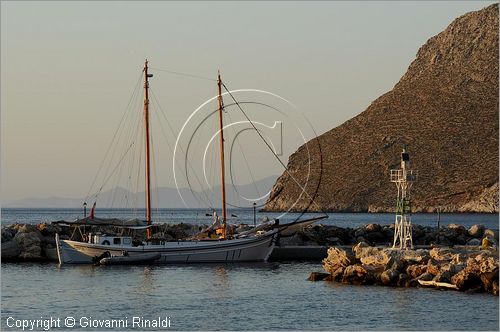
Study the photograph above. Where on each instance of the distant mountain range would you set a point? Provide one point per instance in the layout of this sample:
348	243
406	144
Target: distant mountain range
444	109
163	197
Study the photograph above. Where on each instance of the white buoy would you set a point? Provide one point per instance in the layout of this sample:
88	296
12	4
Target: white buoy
403	178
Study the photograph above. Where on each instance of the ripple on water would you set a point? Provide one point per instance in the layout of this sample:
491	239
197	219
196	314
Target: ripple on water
240	296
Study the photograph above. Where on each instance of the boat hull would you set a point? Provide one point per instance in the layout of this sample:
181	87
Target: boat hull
250	249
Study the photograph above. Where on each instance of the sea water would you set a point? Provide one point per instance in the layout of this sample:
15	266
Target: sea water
237	216
250	296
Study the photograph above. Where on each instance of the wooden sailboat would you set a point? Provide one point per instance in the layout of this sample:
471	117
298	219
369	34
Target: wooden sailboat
256	246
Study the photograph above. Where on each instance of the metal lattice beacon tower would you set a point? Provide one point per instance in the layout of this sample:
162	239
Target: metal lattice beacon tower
403	178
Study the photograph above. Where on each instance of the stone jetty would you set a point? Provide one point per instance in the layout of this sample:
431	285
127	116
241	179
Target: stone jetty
462	268
30	242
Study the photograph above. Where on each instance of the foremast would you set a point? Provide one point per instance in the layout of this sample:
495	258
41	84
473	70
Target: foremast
147	146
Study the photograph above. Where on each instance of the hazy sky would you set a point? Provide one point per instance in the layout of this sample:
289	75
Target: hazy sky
68	69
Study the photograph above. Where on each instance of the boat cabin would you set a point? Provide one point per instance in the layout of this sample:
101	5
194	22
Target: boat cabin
105	239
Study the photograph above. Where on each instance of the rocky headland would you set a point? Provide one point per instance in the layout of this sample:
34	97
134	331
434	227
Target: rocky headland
444	109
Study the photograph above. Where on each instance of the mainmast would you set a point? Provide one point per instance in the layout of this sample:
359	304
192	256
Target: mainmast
146	126
222	168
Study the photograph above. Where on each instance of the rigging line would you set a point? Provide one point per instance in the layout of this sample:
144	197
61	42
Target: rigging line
184	74
155	176
245	158
130	187
113	148
114	169
128	139
208	201
269	146
139	167
114	135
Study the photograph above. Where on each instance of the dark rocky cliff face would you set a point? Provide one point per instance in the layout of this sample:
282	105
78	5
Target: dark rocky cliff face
444	109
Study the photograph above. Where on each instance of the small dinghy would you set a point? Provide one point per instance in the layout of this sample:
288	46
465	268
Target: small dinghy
145	258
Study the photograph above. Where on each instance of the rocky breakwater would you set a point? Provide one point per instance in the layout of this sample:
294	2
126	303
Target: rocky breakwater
36	243
465	270
375	234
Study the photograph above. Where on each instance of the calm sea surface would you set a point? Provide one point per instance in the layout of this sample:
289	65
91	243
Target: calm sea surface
198	216
252	296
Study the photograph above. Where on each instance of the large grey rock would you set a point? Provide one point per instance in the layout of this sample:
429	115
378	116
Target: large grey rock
476	231
10	250
29	244
373	228
8	233
376	237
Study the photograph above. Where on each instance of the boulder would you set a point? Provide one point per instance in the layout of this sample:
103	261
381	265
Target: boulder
456	234
416	270
26	228
388	232
389	277
363	249
395	263
296	240
359	232
447	271
10	250
433	266
376	237
48	240
317	276
373	228
417	231
426	277
466	279
403	280
29	244
49	229
490	281
476	231
441	254
316	233
336	262
373	256
7	234
487	264
415	256
358	275
343	234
